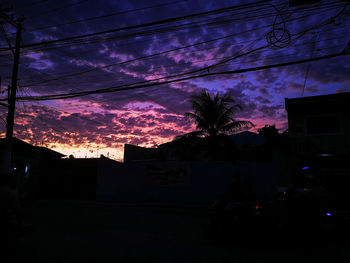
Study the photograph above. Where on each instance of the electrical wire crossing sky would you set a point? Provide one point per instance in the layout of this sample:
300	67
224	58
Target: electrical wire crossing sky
94	75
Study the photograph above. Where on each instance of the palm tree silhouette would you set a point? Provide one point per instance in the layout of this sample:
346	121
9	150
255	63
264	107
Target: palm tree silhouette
214	116
214	119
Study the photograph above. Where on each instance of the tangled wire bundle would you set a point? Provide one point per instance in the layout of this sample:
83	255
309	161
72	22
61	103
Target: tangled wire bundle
279	36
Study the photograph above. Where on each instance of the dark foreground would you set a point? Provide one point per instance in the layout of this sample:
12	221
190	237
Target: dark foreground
72	231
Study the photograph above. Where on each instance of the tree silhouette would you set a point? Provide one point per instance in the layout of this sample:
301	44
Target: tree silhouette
214	116
274	139
269	131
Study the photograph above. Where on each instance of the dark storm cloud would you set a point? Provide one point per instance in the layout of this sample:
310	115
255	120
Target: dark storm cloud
331	71
254	107
271	112
245	85
160	96
262	100
267	76
295	86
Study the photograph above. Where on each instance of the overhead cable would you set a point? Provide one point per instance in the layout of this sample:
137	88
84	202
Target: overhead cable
121	88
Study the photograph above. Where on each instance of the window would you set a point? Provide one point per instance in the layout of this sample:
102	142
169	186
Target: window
323	124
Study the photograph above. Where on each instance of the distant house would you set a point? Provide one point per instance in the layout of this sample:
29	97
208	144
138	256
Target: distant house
26	159
41	173
82	178
23	150
245	141
137	153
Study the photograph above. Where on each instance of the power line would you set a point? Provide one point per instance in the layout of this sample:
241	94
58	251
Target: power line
154	31
177	65
196	22
186	73
144	8
162	30
106	15
192	62
136	59
55	10
31	4
128	61
121	88
159	22
148	32
244	54
266	58
296	53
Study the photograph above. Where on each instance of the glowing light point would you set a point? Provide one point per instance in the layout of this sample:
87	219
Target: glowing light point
329	214
305	168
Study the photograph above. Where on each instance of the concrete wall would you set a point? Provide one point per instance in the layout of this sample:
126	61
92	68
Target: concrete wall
206	182
120	182
68	179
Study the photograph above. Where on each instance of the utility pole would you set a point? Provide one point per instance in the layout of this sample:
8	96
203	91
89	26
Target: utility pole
13	88
16	23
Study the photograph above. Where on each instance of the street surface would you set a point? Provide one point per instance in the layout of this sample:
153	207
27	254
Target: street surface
78	231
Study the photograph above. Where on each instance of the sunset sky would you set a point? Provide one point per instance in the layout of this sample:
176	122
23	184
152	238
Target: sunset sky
256	34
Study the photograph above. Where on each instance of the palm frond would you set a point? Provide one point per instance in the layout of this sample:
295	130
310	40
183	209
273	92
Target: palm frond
199	120
213	115
234	125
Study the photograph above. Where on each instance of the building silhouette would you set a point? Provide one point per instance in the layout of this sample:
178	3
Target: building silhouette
319	143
